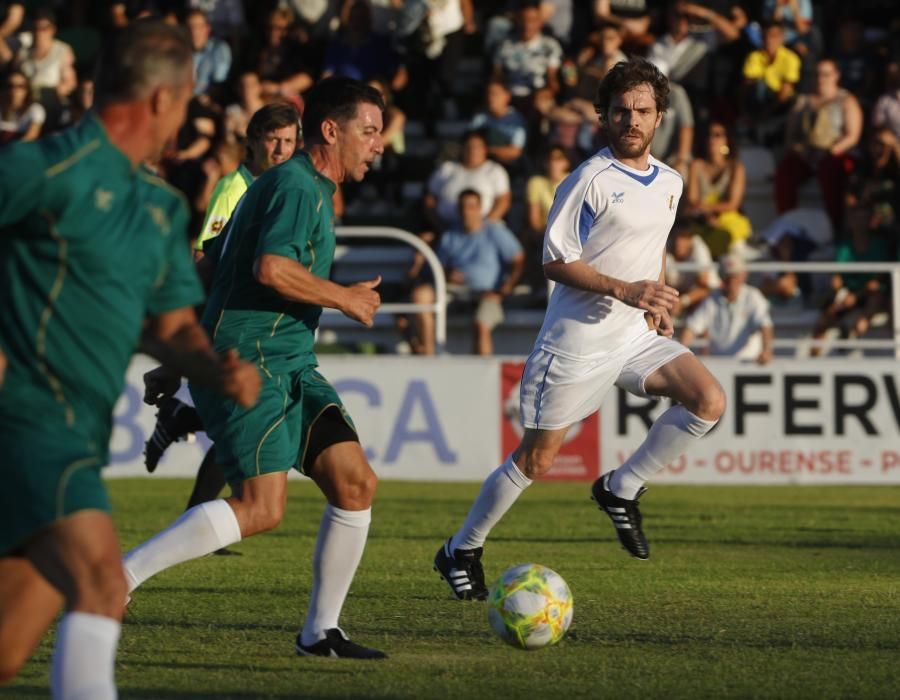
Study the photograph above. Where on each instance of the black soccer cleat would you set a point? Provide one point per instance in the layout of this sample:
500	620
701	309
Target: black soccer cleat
625	516
462	571
175	420
337	645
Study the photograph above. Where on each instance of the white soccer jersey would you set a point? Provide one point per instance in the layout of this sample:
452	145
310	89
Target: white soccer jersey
616	219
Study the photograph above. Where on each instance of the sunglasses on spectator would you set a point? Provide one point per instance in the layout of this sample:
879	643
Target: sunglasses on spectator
717	133
13	86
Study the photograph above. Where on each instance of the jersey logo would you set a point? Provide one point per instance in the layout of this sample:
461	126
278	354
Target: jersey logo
671	201
103	199
618	197
159	217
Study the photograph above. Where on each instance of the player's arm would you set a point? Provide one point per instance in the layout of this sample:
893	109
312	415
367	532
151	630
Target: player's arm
648	295
294	282
178	341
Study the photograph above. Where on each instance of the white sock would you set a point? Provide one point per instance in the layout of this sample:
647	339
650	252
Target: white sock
199	531
83	666
339	547
498	492
670	436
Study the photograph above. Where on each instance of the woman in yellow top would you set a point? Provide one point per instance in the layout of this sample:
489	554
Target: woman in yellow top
717	181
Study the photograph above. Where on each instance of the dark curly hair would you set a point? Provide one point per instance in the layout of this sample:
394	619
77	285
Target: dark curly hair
626	75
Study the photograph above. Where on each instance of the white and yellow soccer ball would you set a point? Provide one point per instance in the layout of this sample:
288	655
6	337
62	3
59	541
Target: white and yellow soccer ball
530	606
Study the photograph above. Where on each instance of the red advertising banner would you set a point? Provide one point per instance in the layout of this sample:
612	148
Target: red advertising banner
579	458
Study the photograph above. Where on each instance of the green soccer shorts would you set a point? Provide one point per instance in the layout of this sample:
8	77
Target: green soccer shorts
273	435
45	477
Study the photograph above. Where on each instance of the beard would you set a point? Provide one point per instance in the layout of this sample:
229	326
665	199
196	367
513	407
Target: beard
631	148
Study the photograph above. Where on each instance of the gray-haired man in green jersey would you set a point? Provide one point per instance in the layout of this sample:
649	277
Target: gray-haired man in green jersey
93	262
272	264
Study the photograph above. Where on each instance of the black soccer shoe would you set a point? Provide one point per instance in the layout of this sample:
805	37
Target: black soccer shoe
625	516
175	420
462	571
337	645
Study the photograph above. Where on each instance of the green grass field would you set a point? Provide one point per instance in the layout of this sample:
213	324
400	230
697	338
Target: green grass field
754	592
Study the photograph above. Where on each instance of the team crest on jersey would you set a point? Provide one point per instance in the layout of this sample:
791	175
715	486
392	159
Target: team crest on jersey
618	197
670	200
103	199
159	217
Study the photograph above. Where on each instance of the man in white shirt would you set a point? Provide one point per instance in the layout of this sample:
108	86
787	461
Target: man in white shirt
607	323
735	318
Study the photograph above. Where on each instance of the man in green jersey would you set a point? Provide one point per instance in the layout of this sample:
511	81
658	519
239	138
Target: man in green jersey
93	262
270	284
272	136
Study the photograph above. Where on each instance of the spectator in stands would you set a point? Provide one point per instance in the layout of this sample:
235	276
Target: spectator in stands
693	286
796	19
886	112
790	239
853	58
673	141
21	117
226	17
822	129
483	261
539	192
432	35
602	51
771	75
212	56
875	182
735	318
530	60
631	16
357	52
715	193
11	19
503	126
250	100
677	53
280	62
80	102
49	64
386	168
474	172
856	297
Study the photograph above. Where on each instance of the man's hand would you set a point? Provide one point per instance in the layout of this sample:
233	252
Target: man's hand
650	296
661	322
362	301
160	384
240	379
765	357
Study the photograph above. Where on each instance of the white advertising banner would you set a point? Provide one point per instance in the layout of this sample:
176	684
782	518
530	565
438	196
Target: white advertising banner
813	422
418	418
449	419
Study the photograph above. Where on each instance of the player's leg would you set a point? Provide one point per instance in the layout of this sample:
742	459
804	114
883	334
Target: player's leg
335	460
257	505
28	604
423	321
255	448
79	556
700	402
209	482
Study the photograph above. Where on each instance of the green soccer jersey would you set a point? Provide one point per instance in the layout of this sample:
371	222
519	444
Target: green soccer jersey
287	211
224	199
89	246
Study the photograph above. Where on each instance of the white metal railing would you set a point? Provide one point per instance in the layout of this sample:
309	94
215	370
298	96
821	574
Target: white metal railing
439	307
892	269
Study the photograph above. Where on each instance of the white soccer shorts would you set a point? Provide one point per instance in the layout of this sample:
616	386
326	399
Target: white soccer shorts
557	392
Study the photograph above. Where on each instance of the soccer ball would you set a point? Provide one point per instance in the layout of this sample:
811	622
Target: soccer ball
530	606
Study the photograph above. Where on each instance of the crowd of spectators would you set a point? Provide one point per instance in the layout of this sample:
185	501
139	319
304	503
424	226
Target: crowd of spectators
501	92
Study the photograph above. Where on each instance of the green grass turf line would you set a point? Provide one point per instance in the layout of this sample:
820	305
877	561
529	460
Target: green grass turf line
750	592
